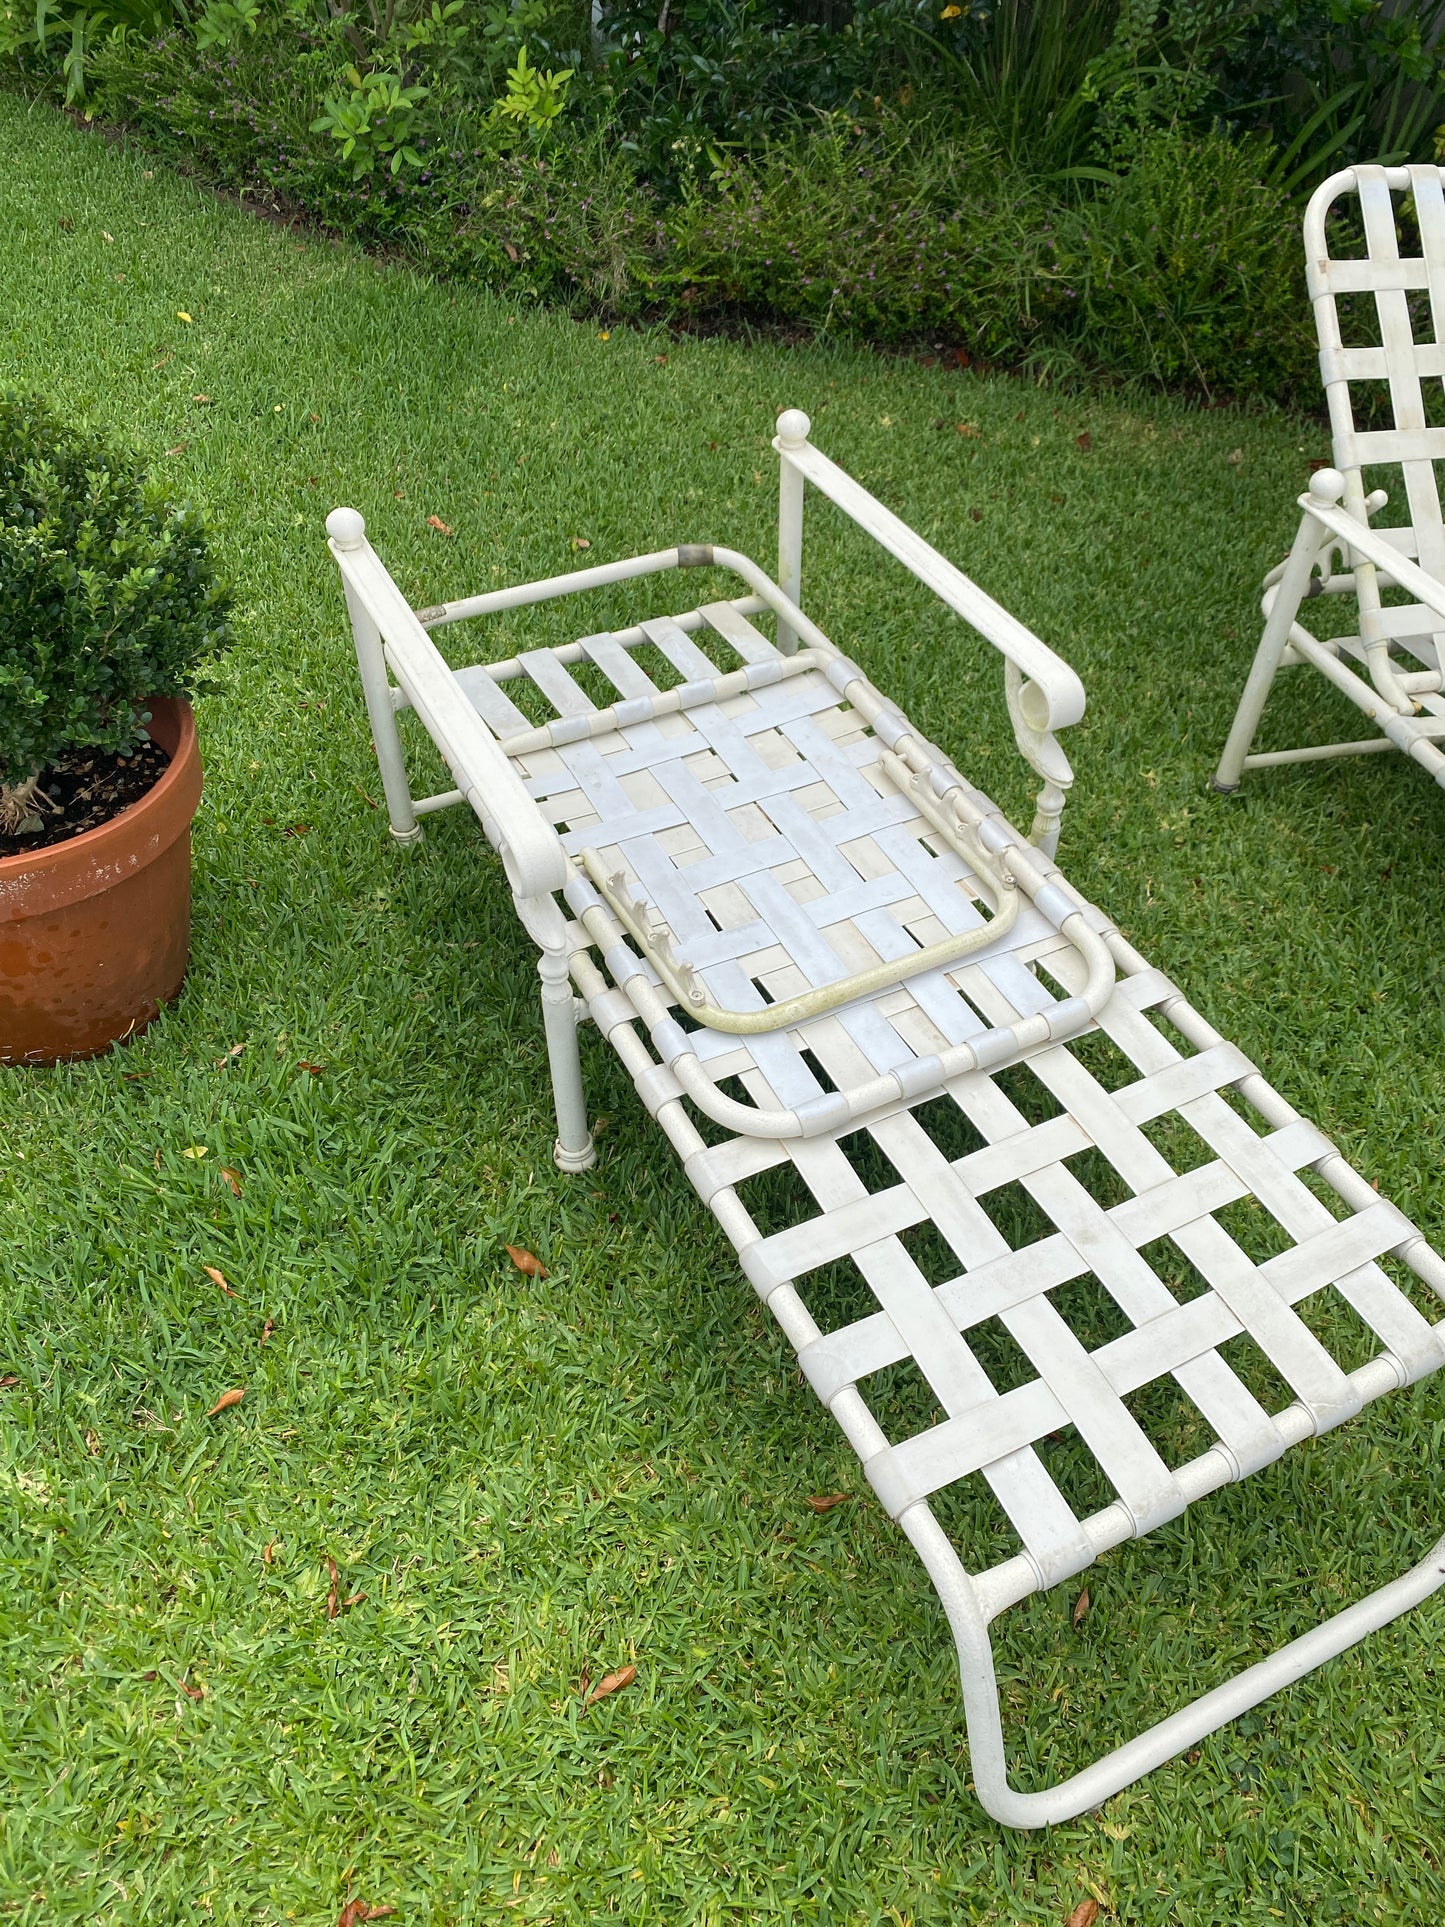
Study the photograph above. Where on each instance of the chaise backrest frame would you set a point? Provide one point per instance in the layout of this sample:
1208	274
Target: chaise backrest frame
1407	365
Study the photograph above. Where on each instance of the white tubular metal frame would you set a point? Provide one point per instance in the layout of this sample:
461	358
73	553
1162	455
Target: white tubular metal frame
815	947
1392	668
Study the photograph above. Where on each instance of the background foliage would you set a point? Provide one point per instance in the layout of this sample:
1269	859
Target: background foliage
1070	186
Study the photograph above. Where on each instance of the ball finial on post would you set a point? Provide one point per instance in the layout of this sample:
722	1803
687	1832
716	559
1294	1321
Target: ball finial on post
347	528
1327	485
793	428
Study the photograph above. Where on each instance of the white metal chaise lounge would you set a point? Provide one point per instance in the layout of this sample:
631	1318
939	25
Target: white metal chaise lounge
824	956
1392	669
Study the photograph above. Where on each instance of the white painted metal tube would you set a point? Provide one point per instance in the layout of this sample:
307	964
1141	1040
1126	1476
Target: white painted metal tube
1325	488
521	594
376	688
1151	1749
574	1150
528	845
1317	753
1294	580
1060	693
793	426
667	702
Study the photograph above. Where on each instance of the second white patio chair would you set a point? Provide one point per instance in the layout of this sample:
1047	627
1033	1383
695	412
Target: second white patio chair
984	1164
1379	314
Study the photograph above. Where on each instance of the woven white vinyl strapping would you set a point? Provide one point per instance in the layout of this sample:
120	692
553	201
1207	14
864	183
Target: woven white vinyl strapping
1402	295
763	831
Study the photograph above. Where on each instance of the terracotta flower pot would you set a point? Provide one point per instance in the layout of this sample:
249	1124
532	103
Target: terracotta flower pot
95	933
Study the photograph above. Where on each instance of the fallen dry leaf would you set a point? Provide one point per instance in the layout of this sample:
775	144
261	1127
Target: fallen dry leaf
227	1400
216	1277
436	522
510	252
232	1177
1081	1607
526	1261
1084	441
611	1683
92	1444
334	1602
234	1051
267	1329
825	1501
1084	1915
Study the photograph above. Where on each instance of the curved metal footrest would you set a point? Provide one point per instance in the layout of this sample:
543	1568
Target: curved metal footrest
1094	1784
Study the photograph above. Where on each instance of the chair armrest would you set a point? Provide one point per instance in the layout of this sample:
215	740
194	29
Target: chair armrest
1053	695
1322	503
528	845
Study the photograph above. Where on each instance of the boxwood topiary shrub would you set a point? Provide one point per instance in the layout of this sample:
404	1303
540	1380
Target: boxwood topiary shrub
107	598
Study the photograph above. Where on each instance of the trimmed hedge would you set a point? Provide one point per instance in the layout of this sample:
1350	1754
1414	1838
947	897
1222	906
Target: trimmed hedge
1183	271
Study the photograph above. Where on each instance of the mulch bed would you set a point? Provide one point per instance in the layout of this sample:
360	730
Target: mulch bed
85	789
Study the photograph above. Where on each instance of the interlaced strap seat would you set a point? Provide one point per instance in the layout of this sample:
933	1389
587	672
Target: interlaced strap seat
1026	1217
1379	307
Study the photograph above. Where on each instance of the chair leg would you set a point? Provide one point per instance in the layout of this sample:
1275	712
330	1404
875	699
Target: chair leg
574	1149
1131	1761
1292	589
376	687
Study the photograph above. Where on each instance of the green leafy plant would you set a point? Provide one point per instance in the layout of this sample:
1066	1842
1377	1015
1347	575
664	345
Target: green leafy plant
107	597
534	99
375	122
223	22
50	26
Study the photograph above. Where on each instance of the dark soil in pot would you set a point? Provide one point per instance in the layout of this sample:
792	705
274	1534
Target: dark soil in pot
85	789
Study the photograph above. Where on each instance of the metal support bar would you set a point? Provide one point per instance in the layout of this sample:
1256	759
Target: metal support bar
1288	595
793	430
348	534
1316	753
1171	1736
574	1149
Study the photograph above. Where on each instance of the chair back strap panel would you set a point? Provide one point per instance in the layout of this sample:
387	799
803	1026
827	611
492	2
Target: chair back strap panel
1398	359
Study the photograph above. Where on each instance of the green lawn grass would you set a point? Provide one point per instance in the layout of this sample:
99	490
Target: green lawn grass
536	1480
